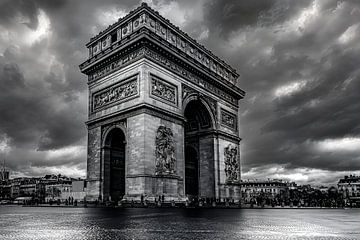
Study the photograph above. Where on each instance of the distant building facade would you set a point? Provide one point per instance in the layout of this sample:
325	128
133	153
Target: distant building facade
163	114
349	187
43	189
4	175
270	188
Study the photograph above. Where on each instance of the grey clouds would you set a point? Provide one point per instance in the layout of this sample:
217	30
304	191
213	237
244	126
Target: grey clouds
298	62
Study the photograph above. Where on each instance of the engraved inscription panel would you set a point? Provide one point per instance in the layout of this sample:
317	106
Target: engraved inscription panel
115	93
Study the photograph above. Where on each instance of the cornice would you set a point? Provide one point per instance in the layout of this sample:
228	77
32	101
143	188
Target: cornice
133	111
180	62
146	17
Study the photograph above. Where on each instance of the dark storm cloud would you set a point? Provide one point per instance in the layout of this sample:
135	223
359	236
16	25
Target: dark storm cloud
271	43
29	115
230	15
36	116
43	97
291	126
26	10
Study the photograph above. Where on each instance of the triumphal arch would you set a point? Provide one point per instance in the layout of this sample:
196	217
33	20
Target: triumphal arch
163	114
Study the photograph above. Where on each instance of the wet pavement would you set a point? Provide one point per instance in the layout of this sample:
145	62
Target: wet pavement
18	222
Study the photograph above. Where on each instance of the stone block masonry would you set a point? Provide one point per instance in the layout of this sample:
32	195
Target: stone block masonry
162	111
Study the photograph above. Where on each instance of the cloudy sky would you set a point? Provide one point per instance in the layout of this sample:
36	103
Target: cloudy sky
299	63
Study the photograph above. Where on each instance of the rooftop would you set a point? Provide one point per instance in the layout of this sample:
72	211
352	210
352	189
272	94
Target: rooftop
146	17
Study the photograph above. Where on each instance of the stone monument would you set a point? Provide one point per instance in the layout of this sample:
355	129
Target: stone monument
163	114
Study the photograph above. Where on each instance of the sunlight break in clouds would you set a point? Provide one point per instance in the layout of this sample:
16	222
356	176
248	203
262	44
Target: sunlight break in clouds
299	23
301	175
42	30
4	144
109	16
288	89
349	35
340	144
170	10
67	152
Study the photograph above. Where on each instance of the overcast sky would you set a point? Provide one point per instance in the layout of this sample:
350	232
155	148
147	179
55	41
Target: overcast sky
299	63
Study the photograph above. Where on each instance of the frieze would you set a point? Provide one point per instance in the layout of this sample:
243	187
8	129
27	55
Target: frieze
228	119
96	122
165	151
139	53
115	93
189	76
172	34
116	64
164	90
231	163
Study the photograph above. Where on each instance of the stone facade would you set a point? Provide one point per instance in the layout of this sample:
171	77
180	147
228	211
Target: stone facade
162	91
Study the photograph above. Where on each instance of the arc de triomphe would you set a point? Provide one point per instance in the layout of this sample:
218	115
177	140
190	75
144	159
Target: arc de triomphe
163	114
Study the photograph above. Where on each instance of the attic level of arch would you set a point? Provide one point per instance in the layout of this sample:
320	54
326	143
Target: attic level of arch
144	18
145	46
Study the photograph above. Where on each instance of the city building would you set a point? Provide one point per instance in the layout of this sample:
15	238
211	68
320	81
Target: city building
349	187
58	191
163	114
270	188
4	175
74	189
78	189
43	189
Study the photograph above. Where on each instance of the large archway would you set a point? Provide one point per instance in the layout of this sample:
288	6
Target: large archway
199	150
114	164
191	171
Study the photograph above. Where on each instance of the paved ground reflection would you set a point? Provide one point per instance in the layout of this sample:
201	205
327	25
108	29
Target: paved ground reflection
90	223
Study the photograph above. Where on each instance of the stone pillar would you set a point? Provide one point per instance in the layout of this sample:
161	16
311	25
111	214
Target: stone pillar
94	164
206	166
141	175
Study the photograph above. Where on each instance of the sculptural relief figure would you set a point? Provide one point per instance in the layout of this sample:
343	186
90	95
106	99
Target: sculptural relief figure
165	151
163	90
116	93
231	163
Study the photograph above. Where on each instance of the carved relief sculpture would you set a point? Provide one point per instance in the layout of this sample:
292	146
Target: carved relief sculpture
163	90
165	151
231	163
115	93
228	119
187	91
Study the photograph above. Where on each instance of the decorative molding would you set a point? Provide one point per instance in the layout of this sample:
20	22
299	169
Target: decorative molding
158	58
164	61
212	104
105	128
146	17
232	166
228	119
186	91
115	93
164	90
165	151
116	64
228	137
143	108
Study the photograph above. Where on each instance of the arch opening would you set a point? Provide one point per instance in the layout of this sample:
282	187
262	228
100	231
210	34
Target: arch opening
199	150
191	172
115	163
